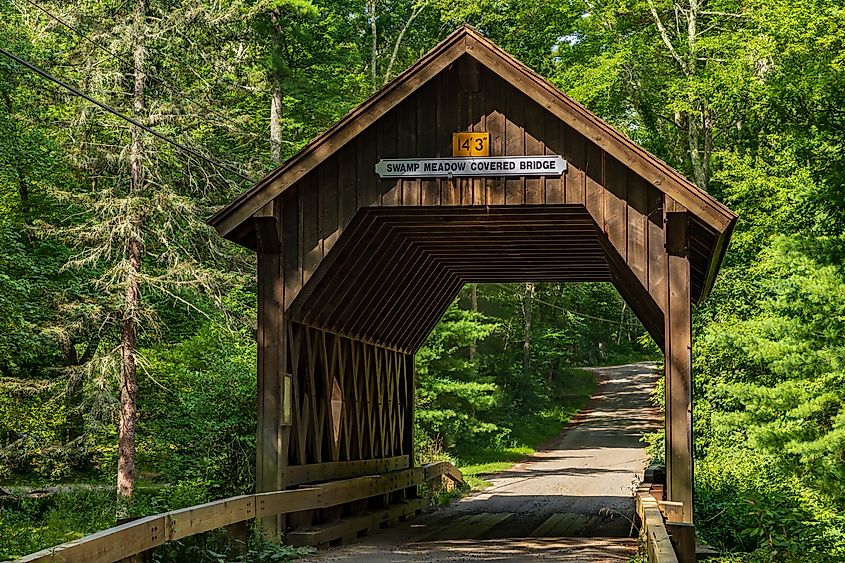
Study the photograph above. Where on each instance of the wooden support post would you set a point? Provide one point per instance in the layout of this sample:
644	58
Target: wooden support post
273	430
683	538
678	365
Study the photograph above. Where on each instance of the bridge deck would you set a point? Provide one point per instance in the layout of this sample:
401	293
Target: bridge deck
572	501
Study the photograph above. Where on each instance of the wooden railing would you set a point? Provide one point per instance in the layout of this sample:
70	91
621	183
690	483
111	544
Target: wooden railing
147	533
653	533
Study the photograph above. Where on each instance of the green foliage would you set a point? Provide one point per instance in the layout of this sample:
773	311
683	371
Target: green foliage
749	107
199	425
465	403
482	409
773	388
451	397
32	525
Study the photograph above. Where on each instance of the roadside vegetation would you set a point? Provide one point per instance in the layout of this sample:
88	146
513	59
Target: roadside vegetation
108	274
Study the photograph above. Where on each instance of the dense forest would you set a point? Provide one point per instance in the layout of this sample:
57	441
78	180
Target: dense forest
109	275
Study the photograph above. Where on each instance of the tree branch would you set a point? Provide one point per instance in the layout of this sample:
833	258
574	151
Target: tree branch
666	39
417	11
371	8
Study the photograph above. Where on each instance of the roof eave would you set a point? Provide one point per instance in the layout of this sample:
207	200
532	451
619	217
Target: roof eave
718	254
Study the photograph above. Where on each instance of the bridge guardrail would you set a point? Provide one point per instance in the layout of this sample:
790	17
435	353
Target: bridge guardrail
653	533
147	533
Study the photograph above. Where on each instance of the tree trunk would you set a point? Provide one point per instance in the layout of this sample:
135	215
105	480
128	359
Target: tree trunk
694	128
398	43
132	303
371	8
23	185
129	383
527	302
621	323
277	97
473	302
276	123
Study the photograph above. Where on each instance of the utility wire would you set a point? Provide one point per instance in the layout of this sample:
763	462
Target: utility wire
46	75
583	315
172	89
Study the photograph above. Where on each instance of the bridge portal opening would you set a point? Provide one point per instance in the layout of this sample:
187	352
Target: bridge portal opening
579	483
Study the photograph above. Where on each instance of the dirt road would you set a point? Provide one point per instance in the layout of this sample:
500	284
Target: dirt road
572	501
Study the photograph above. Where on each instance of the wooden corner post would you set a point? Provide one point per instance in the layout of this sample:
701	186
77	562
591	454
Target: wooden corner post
273	430
678	365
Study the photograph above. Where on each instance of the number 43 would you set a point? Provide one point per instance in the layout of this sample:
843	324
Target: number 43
476	144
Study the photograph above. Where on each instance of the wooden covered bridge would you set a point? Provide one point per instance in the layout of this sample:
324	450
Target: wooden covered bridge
468	167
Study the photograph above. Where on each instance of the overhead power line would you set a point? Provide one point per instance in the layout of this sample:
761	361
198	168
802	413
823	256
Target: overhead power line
571	312
46	75
172	89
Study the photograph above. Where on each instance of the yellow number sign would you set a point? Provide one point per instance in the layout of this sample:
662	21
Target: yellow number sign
470	144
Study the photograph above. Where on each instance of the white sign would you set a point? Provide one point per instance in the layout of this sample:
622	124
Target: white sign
552	165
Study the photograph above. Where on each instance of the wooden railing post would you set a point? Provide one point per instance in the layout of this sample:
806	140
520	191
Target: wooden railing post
409	399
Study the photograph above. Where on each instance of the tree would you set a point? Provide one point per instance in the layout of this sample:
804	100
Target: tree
283	22
130	206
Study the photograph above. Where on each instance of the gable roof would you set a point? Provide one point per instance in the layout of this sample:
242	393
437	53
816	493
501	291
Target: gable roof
465	41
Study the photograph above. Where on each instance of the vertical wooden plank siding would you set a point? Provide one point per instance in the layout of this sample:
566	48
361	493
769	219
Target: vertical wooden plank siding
595	191
575	152
449	121
637	202
534	134
390	189
514	143
554	144
678	365
329	203
407	147
312	244
656	248
478	122
426	142
367	145
348	185
290	243
615	207
494	90
467	84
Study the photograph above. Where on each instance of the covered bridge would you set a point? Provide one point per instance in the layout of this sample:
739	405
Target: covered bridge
356	267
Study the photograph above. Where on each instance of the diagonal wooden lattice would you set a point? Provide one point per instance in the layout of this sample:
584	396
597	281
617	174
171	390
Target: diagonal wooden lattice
349	398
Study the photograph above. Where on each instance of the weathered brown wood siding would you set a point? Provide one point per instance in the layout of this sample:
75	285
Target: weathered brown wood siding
625	208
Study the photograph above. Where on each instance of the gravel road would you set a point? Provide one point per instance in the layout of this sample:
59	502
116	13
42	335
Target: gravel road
572	501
